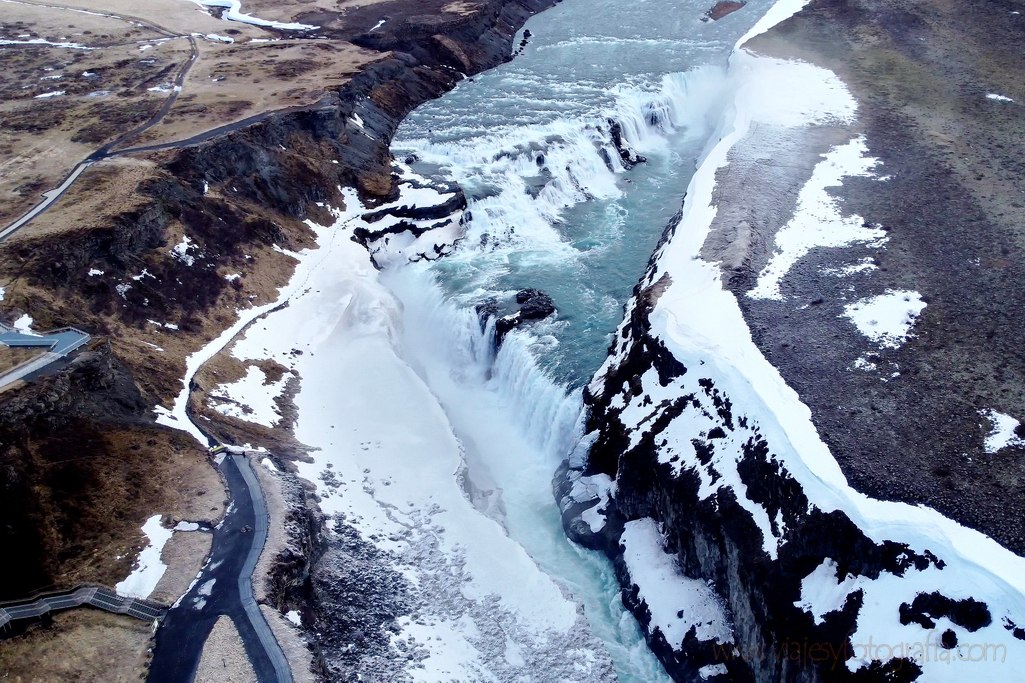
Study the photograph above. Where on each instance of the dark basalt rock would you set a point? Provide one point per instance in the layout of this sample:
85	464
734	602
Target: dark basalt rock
535	304
629	157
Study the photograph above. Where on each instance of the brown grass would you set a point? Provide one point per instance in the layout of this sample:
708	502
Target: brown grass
77	646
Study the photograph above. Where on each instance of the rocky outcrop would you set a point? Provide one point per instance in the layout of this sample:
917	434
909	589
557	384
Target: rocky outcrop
533	305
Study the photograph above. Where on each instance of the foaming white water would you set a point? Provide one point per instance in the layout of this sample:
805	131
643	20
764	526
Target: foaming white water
514	424
521	179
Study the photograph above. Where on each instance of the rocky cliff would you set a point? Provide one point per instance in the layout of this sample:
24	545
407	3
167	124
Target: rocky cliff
736	512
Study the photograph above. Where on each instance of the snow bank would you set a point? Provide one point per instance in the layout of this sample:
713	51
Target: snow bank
403	486
817	221
251	398
1002	432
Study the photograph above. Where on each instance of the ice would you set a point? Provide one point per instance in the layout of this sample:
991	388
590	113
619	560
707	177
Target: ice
817	221
676	603
403	487
886	319
1002	432
148	567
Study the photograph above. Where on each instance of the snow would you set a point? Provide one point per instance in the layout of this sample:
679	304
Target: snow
702	325
817	221
186	526
710	670
822	592
95	271
40	41
219	38
234	13
778	12
293	617
1001	434
269	464
403	487
677	603
998	98
24	324
250	398
54	93
182	251
377	26
886	319
3	292
148	567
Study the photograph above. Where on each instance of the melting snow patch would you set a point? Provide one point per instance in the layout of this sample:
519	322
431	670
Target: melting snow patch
24	324
186	526
817	221
886	319
94	272
181	251
2	292
293	617
55	93
1004	431
269	464
219	38
676	602
148	568
40	41
998	98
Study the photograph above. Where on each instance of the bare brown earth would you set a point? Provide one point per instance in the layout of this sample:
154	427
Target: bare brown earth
224	659
12	358
75	646
139	250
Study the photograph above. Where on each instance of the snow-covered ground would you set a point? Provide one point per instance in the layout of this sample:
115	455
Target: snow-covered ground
701	324
386	460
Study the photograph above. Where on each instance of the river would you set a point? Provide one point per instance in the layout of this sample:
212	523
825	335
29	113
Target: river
552	206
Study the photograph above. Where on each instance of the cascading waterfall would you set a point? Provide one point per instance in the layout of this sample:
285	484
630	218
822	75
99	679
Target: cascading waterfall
543	148
515	424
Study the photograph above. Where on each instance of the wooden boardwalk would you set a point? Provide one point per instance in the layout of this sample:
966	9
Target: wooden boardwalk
96	596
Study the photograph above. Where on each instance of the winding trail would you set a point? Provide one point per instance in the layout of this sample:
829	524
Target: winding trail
107	150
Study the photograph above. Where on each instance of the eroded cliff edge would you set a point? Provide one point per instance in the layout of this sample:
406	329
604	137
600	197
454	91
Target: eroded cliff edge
702	462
